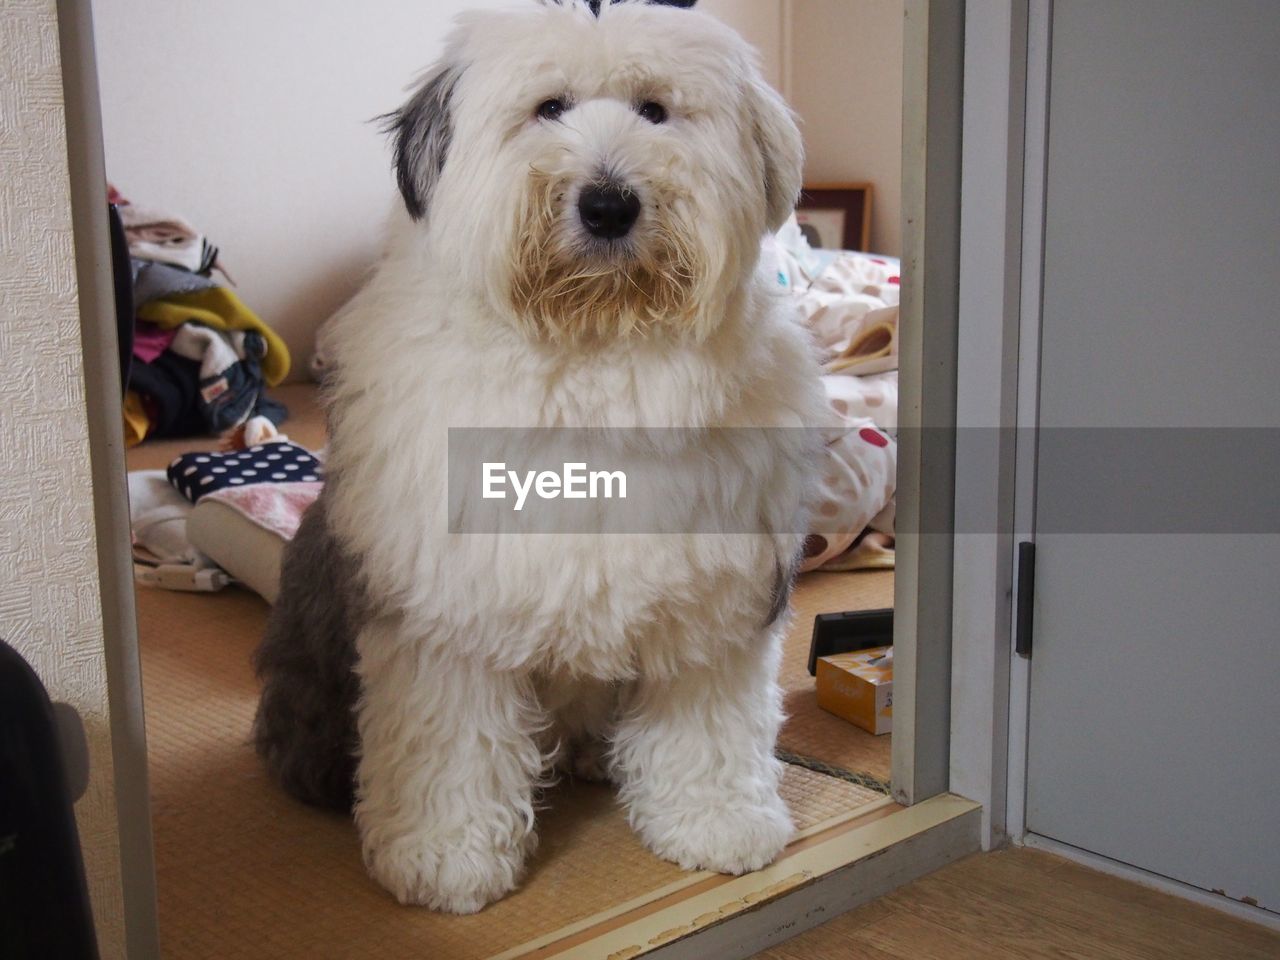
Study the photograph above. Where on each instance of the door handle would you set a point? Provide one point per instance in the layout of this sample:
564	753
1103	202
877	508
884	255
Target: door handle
1026	598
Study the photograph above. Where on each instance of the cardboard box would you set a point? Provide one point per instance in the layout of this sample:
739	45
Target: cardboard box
859	687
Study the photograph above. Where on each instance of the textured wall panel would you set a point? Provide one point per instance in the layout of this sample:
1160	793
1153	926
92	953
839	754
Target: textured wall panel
49	592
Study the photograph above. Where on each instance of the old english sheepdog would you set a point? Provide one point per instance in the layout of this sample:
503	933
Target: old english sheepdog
586	187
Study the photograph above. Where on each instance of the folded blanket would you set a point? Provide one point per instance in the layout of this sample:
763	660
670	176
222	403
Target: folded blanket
873	398
872	345
859	480
851	306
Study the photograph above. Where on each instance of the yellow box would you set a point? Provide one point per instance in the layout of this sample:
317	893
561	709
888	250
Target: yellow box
859	687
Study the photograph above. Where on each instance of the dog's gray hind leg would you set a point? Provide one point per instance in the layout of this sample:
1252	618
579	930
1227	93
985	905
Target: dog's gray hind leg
305	727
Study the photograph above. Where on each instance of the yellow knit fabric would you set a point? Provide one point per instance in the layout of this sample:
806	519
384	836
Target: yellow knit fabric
136	424
220	309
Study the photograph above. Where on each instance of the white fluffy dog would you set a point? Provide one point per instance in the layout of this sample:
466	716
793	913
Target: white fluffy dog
586	193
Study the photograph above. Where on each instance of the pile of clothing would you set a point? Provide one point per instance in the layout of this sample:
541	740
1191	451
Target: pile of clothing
201	360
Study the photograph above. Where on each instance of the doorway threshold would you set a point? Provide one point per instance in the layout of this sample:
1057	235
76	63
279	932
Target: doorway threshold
820	876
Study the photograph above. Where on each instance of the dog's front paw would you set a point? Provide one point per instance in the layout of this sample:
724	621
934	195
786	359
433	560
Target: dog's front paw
591	761
719	837
461	874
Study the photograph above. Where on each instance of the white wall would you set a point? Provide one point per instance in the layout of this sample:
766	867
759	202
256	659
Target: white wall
846	82
761	22
252	120
50	601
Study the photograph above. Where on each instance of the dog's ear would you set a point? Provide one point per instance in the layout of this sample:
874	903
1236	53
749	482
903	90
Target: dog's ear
781	149
423	129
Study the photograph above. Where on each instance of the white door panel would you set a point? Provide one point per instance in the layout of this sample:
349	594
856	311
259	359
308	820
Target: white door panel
1154	732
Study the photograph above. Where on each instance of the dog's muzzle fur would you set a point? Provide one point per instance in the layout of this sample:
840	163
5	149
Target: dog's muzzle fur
579	274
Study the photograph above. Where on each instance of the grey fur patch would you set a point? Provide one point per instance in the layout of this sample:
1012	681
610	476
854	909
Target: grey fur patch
423	130
305	728
783	580
596	4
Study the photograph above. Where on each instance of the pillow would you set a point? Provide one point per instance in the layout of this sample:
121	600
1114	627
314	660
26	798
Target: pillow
197	475
244	529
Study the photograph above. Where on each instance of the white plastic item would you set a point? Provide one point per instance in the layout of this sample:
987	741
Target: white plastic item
244	549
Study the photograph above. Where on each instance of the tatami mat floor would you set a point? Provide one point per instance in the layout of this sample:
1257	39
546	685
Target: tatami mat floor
243	872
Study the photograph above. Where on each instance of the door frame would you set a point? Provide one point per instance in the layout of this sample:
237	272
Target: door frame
1035	155
997	386
933	64
934	71
95	289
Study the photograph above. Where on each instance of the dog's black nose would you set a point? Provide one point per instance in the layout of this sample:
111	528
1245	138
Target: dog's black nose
608	211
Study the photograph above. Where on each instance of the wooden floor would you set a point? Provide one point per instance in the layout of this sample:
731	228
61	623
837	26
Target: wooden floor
1021	905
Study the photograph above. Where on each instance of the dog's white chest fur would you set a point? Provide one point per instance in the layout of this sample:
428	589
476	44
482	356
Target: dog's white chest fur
593	603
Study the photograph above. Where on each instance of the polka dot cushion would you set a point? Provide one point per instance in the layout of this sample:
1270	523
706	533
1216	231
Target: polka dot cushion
196	475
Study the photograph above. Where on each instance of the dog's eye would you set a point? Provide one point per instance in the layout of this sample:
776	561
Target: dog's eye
653	112
552	109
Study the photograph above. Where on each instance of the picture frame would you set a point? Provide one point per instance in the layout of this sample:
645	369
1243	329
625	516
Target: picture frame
836	216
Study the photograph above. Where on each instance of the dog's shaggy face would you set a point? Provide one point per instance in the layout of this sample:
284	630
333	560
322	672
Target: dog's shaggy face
633	159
